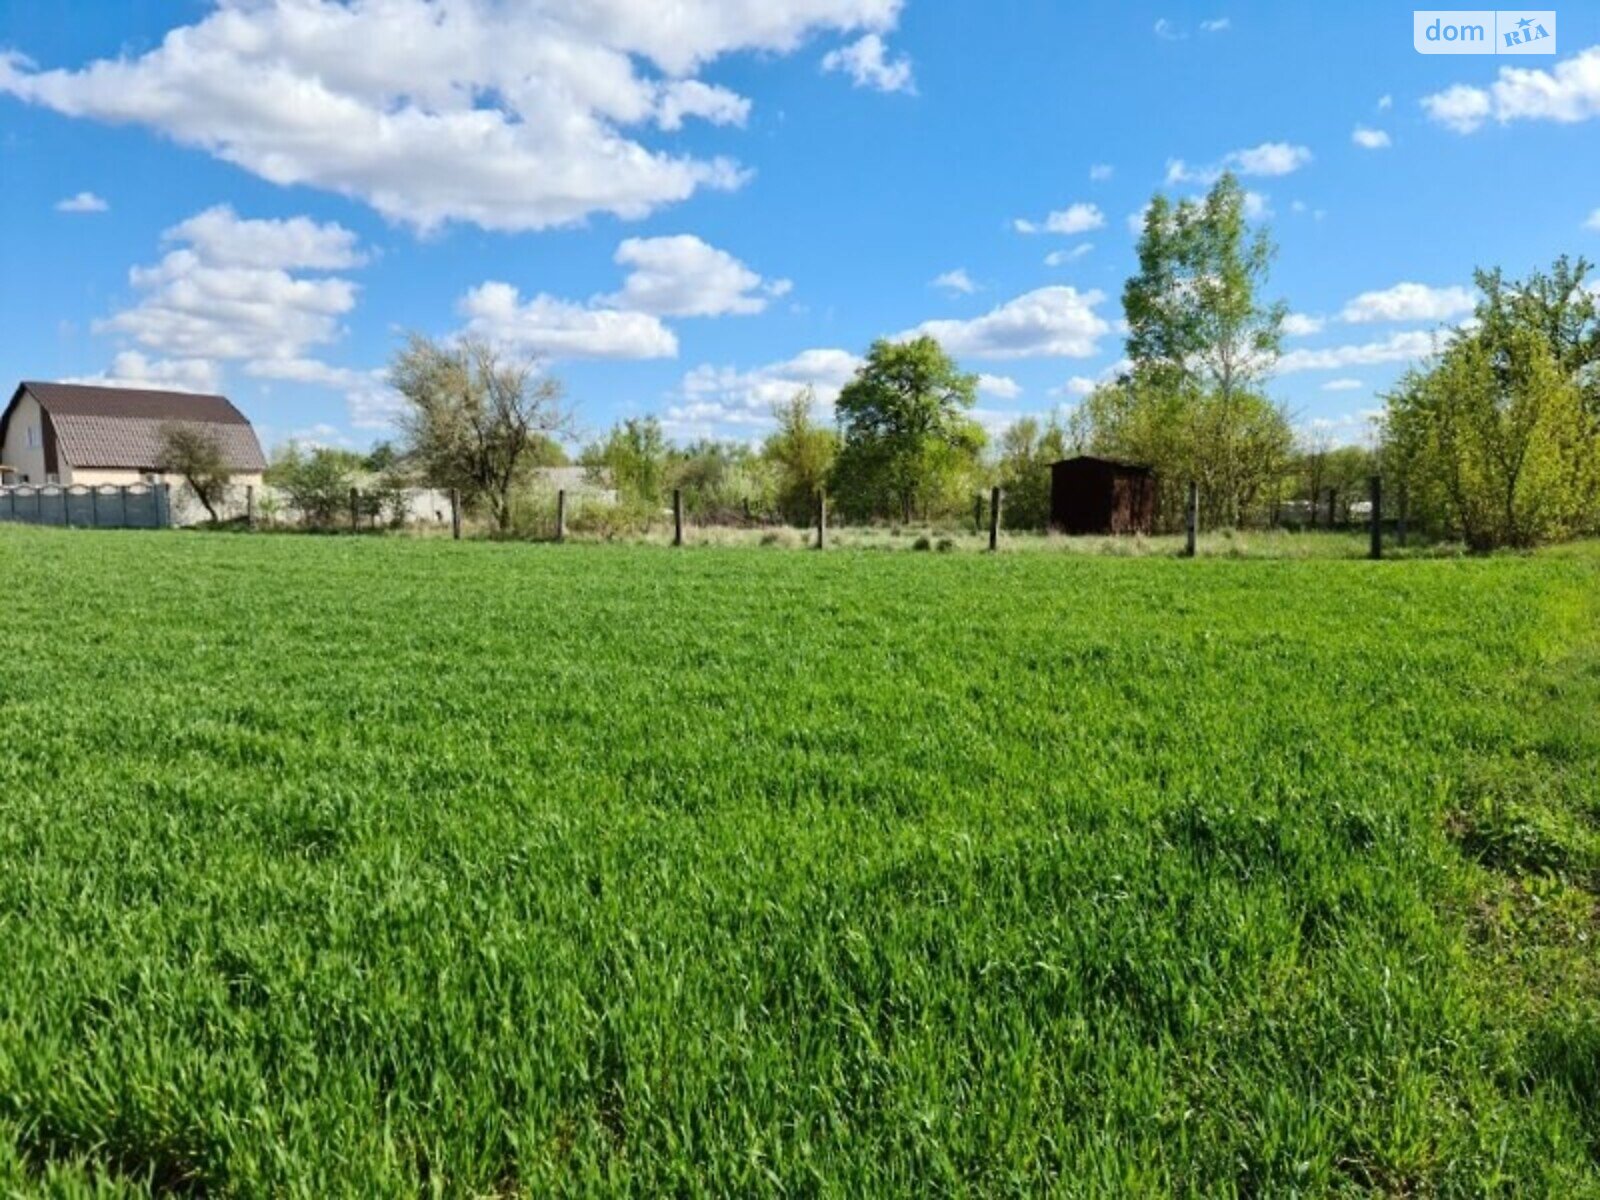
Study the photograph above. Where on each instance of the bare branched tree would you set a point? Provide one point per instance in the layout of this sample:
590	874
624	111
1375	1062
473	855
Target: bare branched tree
194	453
474	420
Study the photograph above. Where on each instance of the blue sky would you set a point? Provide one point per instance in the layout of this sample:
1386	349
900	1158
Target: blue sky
690	216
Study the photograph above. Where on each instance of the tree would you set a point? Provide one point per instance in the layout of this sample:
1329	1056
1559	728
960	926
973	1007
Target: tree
1026	451
1195	318
1497	445
905	427
194	453
317	481
1560	308
474	421
634	455
803	454
1201	342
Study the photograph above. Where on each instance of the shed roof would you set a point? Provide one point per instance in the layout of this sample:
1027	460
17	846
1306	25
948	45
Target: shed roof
1119	463
97	426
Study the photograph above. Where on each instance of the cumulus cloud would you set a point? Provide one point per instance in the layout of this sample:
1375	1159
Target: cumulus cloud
1370	139
1100	172
1302	324
1267	159
1002	387
1077	385
1594	221
83	202
1567	94
1342	385
510	116
548	327
130	368
1167	31
1049	322
1075	218
221	238
867	63
714	399
684	276
1216	25
231	290
1399	347
1408	302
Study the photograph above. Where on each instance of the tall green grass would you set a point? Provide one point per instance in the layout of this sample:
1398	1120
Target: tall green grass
395	867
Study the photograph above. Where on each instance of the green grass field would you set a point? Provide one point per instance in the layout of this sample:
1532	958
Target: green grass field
341	866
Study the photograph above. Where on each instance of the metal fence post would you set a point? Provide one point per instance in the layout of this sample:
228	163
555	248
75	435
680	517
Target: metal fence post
455	513
822	519
561	515
1192	520
250	505
677	516
994	518
1376	486
166	505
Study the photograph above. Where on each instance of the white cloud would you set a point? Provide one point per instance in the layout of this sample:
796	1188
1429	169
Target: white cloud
221	238
1057	258
684	98
1408	302
548	327
715	398
1100	172
1167	31
1002	387
1048	322
1385	102
1399	347
956	282
683	276
867	63
1267	159
1567	94
83	202
371	403
1343	385
130	368
1594	221
1077	385
1302	324
1370	139
1075	218
510	116
1216	25
226	292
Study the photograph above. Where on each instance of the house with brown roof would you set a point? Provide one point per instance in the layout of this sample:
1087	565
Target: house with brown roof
93	436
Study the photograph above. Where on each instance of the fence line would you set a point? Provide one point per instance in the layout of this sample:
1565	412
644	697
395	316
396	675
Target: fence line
88	506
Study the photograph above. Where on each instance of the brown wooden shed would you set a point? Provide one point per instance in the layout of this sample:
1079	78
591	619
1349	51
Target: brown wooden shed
1101	495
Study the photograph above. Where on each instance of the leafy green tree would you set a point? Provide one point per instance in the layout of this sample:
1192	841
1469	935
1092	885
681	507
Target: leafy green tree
905	428
1201	341
316	481
721	481
1196	321
1496	444
475	421
193	453
802	453
1560	307
633	455
1027	449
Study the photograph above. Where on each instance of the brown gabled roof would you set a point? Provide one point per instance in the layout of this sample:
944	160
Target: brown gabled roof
98	426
